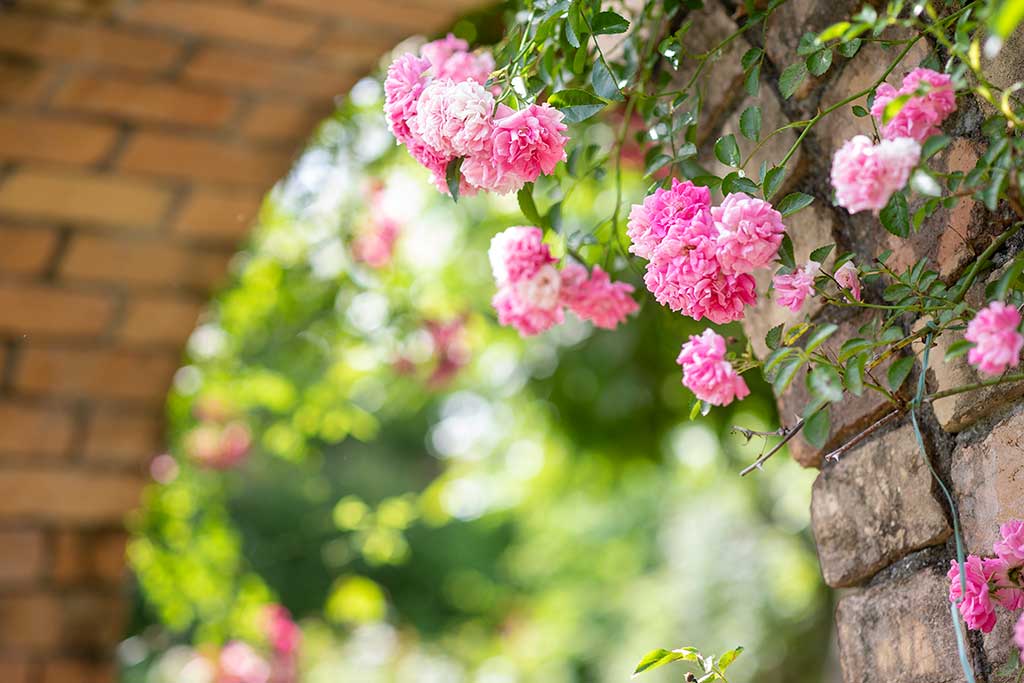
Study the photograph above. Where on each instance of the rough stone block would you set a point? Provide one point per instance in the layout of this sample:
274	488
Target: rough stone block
873	507
988	482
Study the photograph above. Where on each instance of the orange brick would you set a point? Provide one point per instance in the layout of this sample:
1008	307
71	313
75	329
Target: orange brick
137	100
246	70
71	562
279	121
24	82
66	495
402	19
97	373
32	138
82	42
117	437
44	310
242	23
78	671
14	669
159	319
92	620
104	199
354	51
29	621
101	259
27	251
22	559
220	216
108	556
192	158
34	431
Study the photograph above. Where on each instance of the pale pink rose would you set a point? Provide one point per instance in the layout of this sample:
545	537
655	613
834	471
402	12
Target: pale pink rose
282	632
720	298
865	176
437	164
921	115
793	288
375	245
1005	586
749	233
1018	636
847	278
997	341
596	298
649	222
1010	546
528	143
239	663
454	118
219	446
450	58
975	605
402	88
706	373
517	253
685	254
531	305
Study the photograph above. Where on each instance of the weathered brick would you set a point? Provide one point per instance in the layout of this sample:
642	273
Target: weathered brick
220	216
71	562
14	668
82	42
24	82
43	310
100	198
67	496
33	431
210	20
139	100
27	251
809	229
190	158
278	121
406	19
100	259
108	556
790	20
66	670
123	438
244	70
354	51
23	559
88	557
97	373
898	632
27	620
158	319
774	150
36	138
988	481
874	506
92	620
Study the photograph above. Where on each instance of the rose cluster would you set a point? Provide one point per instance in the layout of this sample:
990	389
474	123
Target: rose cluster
991	581
437	105
700	258
533	294
707	373
793	288
995	332
866	175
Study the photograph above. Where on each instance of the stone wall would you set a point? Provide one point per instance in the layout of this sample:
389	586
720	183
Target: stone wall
136	142
882	528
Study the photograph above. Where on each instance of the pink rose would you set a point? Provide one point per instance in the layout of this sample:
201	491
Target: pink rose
239	663
437	164
454	118
720	298
375	245
975	605
921	115
403	85
997	341
596	298
793	288
847	278
528	143
683	255
706	373
865	176
1010	546
749	233
531	304
518	253
650	222
1005	585
282	632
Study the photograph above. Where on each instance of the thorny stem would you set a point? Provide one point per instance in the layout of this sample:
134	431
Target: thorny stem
790	432
1005	379
834	455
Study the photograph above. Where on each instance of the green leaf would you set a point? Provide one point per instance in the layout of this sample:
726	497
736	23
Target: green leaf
750	57
824	384
773	181
833	31
860	111
898	372
528	206
576	105
894	107
821	253
895	216
895	292
793	202
1006	18
821	334
750	123
785	375
727	151
849	48
851	347
609	23
791	79
453	176
658	162
774	337
807	44
958	348
752	83
728	657
819	62
855	373
786	257
933	145
604	82
1007	279
734	182
657	658
817	428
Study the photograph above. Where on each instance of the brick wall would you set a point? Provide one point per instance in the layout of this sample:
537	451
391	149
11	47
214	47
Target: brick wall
136	141
882	528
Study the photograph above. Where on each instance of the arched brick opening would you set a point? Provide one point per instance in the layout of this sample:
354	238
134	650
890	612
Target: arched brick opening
136	141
